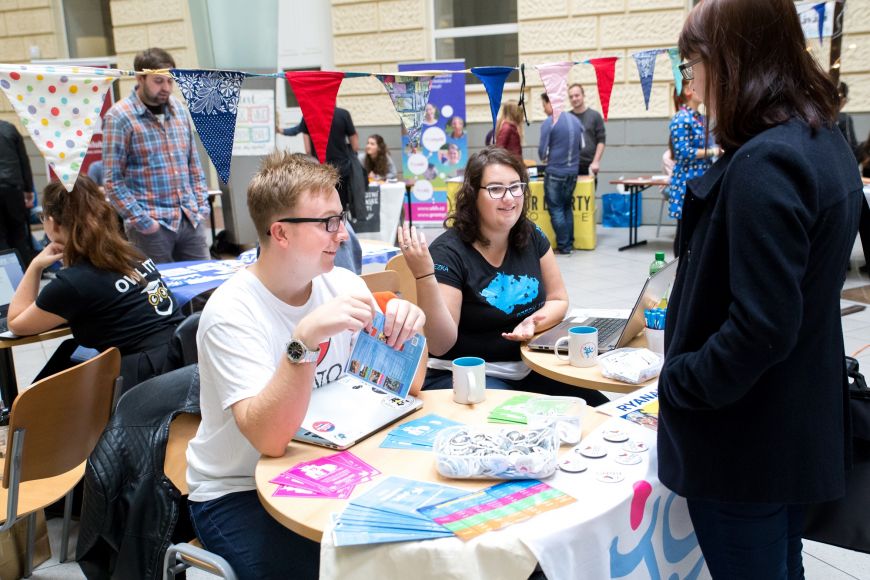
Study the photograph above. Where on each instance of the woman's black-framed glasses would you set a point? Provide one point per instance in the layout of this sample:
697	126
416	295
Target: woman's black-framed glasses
498	191
686	69
331	223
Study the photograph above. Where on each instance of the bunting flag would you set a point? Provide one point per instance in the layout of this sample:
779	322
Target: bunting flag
555	78
213	100
605	71
316	92
493	78
820	8
674	55
646	66
409	95
60	108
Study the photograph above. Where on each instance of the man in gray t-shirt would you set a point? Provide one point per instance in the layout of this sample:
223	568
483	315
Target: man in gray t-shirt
596	135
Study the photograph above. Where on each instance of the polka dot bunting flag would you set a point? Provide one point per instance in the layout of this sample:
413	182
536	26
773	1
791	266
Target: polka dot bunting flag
60	108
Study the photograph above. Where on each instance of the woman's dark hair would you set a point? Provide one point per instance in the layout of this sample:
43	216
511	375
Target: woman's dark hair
91	225
379	164
466	219
759	73
864	152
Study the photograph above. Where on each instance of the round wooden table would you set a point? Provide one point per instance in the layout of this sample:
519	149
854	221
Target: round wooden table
546	363
308	516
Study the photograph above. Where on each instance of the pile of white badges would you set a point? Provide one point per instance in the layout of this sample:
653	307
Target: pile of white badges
630	365
510	452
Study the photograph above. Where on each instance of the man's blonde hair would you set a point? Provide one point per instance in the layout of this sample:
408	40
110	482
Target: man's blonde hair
281	179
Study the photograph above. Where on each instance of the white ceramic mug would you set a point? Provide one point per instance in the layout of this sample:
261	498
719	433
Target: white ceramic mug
469	380
582	346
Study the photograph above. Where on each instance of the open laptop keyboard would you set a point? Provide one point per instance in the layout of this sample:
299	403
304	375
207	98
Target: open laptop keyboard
4	327
609	329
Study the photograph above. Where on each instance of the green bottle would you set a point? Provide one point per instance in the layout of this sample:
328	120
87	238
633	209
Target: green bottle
658	263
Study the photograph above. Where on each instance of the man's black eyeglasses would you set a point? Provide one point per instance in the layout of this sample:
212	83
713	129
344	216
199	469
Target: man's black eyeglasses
686	69
332	223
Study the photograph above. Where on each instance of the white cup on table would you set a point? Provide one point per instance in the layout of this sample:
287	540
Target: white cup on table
582	346
655	340
469	380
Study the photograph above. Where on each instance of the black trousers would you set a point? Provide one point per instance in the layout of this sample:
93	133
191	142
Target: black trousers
13	223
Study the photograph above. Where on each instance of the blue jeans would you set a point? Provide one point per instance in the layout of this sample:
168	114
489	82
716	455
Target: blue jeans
749	540
238	528
532	383
559	195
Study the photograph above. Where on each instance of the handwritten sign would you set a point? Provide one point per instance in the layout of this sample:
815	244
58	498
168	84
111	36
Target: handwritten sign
255	123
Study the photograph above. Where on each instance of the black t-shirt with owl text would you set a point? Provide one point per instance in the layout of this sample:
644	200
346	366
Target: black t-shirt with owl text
106	309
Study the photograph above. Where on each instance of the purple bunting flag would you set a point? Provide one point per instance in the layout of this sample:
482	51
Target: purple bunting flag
213	99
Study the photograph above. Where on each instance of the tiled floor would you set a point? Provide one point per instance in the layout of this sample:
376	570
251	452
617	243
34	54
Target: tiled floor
604	278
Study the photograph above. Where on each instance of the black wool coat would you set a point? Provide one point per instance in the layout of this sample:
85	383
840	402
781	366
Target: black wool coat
753	390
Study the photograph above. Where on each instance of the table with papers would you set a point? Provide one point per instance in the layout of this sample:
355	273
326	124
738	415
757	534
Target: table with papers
634	528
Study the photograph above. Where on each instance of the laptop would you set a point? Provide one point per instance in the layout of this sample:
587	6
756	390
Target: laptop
11	273
614	332
346	411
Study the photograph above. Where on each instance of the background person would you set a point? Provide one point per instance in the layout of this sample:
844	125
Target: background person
490	281
430	115
457	127
341	153
592	148
844	120
108	292
509	129
153	175
253	396
753	395
16	192
559	149
376	160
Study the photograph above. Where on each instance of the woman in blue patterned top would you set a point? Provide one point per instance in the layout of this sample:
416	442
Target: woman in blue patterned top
688	143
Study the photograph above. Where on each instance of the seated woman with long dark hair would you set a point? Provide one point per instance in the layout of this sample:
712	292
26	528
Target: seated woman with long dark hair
108	292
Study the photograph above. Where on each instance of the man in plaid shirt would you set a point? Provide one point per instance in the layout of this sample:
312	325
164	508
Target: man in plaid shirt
153	176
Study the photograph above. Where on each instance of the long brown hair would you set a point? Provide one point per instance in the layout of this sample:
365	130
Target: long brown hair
91	225
510	111
378	165
465	217
759	73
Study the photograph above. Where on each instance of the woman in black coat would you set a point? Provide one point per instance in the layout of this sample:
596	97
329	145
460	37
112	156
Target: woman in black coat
753	390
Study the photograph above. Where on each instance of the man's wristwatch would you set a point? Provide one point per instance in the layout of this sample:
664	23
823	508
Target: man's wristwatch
298	353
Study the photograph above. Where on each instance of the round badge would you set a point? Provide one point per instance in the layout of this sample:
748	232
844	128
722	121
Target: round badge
609	476
615	435
591	451
626	458
636	446
572	464
323	426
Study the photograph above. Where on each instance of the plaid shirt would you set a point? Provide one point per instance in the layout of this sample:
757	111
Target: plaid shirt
152	169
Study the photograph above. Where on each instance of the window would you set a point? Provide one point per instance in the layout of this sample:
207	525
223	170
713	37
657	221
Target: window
483	32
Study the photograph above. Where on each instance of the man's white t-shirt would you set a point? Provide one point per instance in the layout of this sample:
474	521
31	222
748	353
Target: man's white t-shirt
242	337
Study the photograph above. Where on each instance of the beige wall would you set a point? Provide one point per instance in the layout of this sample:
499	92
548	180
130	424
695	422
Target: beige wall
374	35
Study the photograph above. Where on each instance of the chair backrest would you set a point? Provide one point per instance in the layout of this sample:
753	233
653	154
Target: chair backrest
62	417
181	430
183	349
386	281
407	283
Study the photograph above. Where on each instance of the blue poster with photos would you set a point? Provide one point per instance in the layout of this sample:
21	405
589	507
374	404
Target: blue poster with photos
443	150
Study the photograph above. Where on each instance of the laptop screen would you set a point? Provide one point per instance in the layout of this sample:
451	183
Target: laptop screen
10	275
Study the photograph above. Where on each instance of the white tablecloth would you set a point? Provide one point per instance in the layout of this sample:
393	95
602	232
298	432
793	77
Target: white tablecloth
612	531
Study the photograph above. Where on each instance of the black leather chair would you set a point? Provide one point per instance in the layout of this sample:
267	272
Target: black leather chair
182	345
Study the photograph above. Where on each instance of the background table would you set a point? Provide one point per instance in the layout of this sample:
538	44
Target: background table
635	186
8	381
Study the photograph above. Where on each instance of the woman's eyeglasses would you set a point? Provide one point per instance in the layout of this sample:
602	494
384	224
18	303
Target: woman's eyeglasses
686	69
497	191
332	223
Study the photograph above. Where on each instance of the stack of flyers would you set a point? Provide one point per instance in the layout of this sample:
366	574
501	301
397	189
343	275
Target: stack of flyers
418	434
334	476
511	411
388	513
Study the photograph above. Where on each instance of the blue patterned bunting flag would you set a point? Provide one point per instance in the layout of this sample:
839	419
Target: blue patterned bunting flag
646	66
213	98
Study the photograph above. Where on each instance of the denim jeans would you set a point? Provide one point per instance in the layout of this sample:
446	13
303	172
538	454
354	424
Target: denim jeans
533	383
748	540
559	195
238	528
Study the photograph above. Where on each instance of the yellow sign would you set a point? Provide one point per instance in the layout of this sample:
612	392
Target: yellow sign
585	236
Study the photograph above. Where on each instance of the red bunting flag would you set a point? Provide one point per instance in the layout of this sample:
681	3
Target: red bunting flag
316	91
605	71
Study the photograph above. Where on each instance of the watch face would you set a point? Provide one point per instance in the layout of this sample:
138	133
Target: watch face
295	350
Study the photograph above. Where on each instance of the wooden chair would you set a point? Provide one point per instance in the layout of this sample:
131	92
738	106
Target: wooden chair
54	426
385	281
180	557
407	283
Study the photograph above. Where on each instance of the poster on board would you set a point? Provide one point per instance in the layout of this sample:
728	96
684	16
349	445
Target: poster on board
443	150
255	123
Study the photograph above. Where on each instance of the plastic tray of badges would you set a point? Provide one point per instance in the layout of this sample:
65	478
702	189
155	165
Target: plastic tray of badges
496	452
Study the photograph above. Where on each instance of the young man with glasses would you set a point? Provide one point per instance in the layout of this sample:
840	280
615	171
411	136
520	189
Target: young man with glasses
267	337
